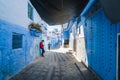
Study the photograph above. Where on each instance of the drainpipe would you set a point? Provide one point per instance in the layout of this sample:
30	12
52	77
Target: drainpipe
88	8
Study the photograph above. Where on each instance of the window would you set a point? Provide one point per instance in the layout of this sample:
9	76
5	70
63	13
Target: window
30	11
17	40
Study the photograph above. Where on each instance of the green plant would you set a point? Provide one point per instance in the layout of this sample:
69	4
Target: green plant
35	26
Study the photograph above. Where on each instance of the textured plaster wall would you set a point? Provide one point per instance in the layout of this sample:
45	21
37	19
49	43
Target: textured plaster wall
101	45
80	44
80	49
16	11
13	60
14	18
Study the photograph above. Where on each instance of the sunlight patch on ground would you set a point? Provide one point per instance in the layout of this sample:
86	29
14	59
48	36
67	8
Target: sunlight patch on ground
61	50
66	50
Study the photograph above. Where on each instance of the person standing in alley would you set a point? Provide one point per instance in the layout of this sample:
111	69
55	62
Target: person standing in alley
49	46
42	48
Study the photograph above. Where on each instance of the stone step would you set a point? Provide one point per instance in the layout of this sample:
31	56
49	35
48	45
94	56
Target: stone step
86	73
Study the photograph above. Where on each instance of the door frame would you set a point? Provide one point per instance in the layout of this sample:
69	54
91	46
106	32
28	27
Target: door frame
117	56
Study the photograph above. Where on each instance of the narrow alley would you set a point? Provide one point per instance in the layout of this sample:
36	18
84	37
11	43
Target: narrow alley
56	66
80	38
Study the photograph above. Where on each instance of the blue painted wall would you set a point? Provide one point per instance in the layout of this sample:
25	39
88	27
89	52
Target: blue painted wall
66	32
101	45
66	35
13	60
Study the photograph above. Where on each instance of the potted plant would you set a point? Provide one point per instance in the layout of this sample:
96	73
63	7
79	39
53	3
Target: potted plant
35	26
35	29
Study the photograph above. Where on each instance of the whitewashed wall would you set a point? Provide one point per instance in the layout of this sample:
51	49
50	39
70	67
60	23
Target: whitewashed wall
82	31
16	12
71	41
80	46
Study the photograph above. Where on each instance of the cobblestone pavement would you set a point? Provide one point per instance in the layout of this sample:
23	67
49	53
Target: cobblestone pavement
55	66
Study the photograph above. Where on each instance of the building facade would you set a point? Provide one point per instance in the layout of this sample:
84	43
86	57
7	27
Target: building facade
95	41
98	48
101	45
18	47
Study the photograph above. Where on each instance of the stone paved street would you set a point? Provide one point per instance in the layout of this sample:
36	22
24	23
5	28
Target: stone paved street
55	66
